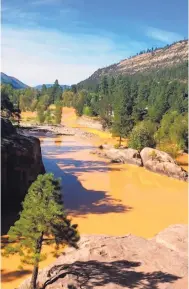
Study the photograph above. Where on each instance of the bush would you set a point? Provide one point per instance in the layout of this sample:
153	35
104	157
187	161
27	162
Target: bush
173	131
41	114
172	150
87	111
58	113
116	146
142	136
48	117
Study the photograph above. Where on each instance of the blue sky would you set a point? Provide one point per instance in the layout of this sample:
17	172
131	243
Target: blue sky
44	40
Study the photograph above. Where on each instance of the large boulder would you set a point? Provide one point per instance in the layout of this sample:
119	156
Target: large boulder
125	156
161	162
116	262
128	156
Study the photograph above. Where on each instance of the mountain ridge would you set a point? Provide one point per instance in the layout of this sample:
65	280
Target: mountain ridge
39	86
17	84
13	81
145	61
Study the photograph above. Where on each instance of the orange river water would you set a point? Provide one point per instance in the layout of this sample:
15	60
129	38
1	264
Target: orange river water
104	198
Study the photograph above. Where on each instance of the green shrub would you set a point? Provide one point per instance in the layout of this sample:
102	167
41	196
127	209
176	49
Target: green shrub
87	111
40	115
116	146
58	112
142	136
172	150
173	132
153	155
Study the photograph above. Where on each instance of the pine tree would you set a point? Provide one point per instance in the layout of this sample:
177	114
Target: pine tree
123	107
40	113
42	221
43	89
56	92
105	107
58	112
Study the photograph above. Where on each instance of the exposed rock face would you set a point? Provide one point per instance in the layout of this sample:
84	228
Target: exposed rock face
163	57
161	162
152	159
7	128
21	162
129	156
111	262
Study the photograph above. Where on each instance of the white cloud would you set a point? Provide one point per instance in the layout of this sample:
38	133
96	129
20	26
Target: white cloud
162	35
41	56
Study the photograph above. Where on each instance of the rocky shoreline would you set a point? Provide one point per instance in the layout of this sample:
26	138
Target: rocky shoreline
115	262
149	158
55	130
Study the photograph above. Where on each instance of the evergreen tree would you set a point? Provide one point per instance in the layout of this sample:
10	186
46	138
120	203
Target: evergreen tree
42	221
103	87
55	92
44	89
7	107
105	107
41	114
58	112
123	108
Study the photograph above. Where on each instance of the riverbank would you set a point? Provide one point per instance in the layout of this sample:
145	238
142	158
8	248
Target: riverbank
95	191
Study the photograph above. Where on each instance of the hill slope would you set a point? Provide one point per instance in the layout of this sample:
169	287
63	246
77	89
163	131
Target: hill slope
168	56
14	82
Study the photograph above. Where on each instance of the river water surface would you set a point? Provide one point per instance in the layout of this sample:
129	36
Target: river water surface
114	199
104	198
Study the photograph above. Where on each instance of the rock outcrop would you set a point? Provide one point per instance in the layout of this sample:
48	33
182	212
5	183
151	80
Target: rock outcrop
112	262
21	162
170	56
152	159
128	156
160	162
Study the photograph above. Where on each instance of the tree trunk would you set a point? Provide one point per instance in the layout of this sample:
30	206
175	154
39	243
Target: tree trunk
36	265
119	141
34	276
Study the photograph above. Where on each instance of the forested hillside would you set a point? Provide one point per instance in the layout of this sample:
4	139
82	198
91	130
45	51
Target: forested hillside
153	60
148	108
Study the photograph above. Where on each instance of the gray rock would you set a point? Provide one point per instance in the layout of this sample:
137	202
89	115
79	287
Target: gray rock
131	156
161	162
125	156
116	262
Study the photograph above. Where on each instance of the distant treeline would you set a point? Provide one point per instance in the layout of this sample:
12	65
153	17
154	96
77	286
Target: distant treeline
31	99
150	109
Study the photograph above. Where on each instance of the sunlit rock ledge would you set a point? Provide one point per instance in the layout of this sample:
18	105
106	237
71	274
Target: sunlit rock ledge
115	262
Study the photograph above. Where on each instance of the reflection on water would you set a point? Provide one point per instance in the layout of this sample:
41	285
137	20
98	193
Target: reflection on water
58	142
